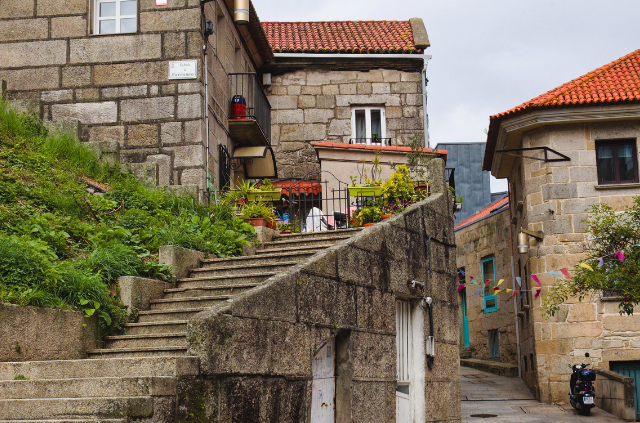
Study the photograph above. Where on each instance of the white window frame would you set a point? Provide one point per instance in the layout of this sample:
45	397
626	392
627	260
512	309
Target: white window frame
118	17
367	117
403	342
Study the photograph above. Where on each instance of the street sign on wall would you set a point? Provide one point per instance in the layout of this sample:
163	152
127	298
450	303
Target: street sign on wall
161	2
183	69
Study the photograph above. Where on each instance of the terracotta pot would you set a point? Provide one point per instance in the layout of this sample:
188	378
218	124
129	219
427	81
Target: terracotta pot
271	224
287	232
257	221
366	225
386	216
355	222
421	187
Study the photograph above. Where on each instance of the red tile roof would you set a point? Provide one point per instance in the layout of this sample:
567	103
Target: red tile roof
442	153
614	83
341	37
501	205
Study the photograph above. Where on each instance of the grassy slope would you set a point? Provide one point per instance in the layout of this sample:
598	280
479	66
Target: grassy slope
61	246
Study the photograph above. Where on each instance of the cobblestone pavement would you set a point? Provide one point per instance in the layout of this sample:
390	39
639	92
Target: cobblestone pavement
509	400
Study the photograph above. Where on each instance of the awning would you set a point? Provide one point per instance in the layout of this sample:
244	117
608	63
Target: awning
258	162
297	187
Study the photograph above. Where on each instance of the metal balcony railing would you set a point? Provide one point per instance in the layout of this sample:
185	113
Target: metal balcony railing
383	142
258	108
450	173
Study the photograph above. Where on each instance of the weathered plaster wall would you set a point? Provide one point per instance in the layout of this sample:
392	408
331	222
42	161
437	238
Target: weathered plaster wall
256	352
484	239
34	334
556	199
312	105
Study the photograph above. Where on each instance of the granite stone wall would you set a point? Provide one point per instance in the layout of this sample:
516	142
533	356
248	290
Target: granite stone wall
256	352
556	198
315	105
488	238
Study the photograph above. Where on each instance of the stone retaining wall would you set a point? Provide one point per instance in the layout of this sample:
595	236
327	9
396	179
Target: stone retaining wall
615	393
256	352
34	334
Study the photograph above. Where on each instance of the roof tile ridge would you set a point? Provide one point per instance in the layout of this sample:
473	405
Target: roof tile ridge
581	80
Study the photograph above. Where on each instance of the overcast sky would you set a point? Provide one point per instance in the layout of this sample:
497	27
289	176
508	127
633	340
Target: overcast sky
490	55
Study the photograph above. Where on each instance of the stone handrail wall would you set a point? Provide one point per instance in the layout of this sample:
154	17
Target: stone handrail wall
615	394
257	350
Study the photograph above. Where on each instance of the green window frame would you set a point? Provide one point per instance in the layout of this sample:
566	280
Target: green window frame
489	272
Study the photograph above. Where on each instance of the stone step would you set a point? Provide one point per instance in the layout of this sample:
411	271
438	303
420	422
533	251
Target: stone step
191	282
151	352
43	408
147	340
175	326
304	242
150	316
320	234
256	260
191	302
89	387
208	291
312	250
243	269
102	367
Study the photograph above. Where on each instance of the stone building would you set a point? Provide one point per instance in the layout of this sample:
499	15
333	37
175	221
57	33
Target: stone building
585	124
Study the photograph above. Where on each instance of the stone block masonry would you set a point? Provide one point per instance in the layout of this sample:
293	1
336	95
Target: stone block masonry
269	335
116	86
314	105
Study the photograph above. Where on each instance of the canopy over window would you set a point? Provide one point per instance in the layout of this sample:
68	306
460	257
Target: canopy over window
299	187
258	162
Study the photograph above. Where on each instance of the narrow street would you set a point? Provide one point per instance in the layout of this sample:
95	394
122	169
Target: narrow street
490	398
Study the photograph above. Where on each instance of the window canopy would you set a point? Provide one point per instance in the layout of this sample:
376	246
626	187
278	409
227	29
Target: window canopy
258	162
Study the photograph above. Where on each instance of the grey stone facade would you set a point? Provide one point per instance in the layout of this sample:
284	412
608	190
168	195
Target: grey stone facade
315	105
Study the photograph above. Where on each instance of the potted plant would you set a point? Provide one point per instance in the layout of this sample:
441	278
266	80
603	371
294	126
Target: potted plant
266	192
258	214
369	216
368	187
458	202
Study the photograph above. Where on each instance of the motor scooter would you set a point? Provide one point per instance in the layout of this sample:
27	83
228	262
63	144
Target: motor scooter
582	394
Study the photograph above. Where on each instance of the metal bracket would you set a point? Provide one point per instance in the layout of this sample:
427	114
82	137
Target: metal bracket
539	235
546	150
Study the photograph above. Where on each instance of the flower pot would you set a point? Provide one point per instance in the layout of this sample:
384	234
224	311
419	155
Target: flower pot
457	206
421	187
365	191
286	232
366	225
386	216
257	221
355	222
259	195
271	224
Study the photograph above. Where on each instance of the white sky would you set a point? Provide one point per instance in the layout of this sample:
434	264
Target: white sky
490	55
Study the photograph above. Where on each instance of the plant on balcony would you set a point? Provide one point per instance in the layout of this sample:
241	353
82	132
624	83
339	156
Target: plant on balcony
368	215
258	213
368	187
265	192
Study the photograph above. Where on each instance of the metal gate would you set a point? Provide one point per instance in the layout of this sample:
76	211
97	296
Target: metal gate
630	369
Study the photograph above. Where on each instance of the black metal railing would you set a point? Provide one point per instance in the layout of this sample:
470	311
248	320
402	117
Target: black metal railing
383	142
258	107
450	176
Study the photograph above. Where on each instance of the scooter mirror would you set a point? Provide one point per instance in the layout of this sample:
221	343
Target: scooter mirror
586	355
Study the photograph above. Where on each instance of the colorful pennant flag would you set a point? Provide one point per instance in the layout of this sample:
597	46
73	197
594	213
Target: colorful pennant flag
460	288
515	293
500	282
474	282
478	291
565	272
620	255
496	289
508	290
519	280
521	294
600	262
535	278
486	282
554	273
537	293
586	266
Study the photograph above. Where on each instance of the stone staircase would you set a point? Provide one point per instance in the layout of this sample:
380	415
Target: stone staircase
134	376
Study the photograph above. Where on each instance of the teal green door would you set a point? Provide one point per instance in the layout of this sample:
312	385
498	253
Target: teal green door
630	369
465	319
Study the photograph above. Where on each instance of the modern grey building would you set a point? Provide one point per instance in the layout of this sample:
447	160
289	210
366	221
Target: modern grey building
471	181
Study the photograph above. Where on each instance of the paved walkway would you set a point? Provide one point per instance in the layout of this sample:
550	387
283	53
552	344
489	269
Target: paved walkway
509	400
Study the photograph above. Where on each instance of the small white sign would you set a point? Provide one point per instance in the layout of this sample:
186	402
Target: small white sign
162	3
184	69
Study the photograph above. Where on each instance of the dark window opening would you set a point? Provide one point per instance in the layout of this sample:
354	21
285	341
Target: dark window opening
617	162
494	344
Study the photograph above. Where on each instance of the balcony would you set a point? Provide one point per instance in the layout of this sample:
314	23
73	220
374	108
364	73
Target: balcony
249	111
382	142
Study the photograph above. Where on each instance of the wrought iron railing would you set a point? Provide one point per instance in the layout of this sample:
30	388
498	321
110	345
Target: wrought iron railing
258	107
383	142
450	174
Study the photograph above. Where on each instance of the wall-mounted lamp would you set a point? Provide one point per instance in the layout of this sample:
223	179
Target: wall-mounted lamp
523	239
241	12
412	283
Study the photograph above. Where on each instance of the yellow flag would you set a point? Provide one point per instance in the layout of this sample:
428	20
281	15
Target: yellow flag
586	266
500	281
508	290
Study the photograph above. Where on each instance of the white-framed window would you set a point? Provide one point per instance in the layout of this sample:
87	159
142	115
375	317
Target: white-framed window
369	125
404	345
115	16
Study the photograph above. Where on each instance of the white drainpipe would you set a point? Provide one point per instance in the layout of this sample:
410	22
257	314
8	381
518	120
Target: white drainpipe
424	102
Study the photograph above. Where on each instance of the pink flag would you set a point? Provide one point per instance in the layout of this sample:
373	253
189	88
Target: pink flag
460	288
565	272
535	278
537	293
620	255
515	293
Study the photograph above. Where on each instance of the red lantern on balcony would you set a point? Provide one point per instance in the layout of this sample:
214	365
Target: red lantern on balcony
238	107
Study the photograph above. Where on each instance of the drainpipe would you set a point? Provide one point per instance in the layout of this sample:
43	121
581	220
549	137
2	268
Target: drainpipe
205	68
513	282
424	101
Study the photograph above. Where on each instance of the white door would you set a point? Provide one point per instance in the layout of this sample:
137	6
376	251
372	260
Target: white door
403	361
323	390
